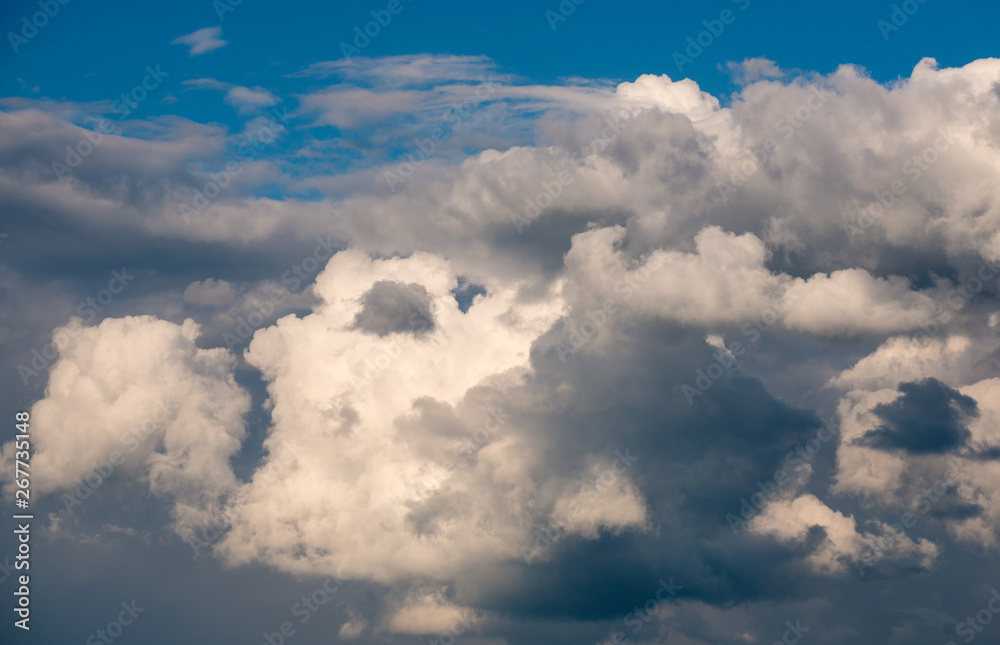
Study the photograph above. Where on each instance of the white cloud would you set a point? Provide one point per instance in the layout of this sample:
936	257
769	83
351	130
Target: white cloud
202	41
246	99
843	545
430	613
680	97
354	627
753	69
139	388
408	70
381	488
726	282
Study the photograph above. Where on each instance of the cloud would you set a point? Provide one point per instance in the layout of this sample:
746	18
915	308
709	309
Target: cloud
368	433
176	431
429	614
751	70
928	417
353	628
393	307
210	292
246	100
918	434
680	97
531	455
409	70
841	545
201	41
726	282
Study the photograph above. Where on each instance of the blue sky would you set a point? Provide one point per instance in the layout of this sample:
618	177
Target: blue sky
525	323
86	55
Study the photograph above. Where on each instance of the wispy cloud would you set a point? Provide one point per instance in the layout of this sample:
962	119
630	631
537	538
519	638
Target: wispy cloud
246	100
202	41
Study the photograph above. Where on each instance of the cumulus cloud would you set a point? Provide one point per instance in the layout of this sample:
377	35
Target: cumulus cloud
374	412
467	451
917	432
841	545
136	395
726	282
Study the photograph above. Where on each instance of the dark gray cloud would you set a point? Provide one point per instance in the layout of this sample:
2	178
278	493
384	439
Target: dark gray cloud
395	308
928	417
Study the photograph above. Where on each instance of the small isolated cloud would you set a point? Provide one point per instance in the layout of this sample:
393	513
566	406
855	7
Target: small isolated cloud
247	99
405	71
244	99
201	41
210	292
428	614
752	70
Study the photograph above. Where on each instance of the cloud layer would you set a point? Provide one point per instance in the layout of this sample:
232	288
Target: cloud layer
589	336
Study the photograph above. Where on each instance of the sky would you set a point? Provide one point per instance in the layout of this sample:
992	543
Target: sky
500	324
